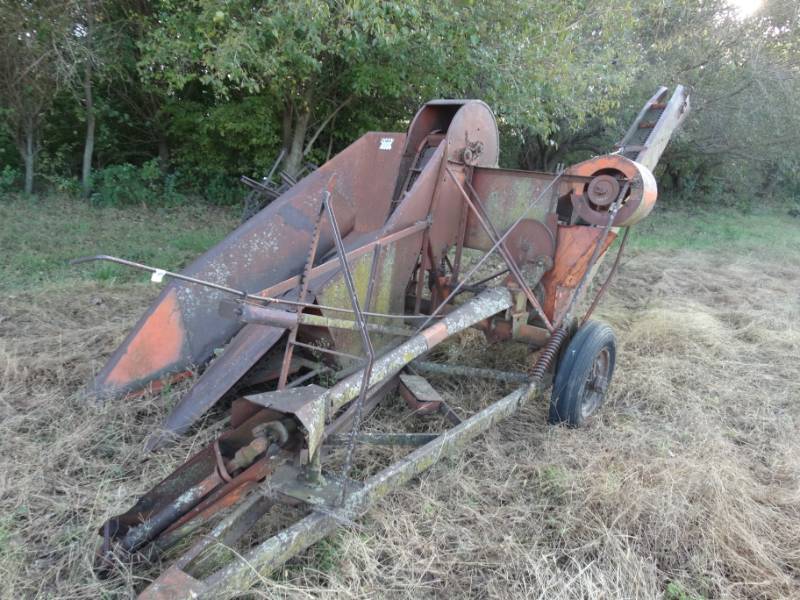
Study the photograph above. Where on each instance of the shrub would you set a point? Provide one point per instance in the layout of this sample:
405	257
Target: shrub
9	177
126	184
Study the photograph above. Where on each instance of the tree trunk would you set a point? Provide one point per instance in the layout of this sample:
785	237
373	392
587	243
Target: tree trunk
28	155
288	113
163	152
294	156
88	147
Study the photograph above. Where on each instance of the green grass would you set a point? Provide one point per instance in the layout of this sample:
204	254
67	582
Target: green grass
768	230
675	591
38	238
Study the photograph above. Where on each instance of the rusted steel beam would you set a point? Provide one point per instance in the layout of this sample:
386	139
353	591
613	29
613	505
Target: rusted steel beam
385	439
263	315
463	371
485	305
333	264
273	552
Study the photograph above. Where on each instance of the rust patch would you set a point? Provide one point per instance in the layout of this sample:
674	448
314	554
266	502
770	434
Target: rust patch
435	334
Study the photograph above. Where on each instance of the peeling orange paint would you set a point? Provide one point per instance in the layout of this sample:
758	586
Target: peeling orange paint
574	249
156	346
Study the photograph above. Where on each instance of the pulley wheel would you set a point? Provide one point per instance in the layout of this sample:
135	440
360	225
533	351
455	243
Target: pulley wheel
592	200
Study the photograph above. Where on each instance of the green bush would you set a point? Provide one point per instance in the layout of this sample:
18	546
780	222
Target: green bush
219	189
67	186
127	184
9	177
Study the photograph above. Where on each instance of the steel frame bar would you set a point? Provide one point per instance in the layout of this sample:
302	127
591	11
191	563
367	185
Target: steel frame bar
385	439
486	256
263	315
360	320
477	207
270	554
267	296
464	371
611	273
482	306
330	351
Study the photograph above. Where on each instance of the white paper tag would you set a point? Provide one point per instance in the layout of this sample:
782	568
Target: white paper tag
386	143
158	276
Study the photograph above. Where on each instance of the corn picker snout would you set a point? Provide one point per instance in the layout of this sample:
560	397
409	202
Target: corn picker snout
325	303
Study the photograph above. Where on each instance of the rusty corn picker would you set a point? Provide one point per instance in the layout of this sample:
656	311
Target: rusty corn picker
325	303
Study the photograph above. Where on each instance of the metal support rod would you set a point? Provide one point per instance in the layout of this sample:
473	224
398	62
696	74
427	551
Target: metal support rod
307	376
463	371
596	254
611	273
330	351
477	207
366	341
385	439
482	306
268	296
485	257
273	317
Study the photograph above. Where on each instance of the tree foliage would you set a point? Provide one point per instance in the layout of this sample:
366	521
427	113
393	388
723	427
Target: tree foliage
214	89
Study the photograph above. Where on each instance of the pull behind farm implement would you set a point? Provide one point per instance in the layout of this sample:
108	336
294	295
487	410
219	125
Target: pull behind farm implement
322	300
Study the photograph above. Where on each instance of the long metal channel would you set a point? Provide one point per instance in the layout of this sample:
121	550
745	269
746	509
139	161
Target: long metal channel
273	317
464	371
482	306
267	295
273	552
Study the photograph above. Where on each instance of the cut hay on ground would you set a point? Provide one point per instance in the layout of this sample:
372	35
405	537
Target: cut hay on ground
688	482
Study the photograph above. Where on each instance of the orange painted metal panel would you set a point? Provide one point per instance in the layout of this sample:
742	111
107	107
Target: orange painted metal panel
574	247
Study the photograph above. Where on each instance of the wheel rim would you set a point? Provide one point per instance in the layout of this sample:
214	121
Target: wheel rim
596	384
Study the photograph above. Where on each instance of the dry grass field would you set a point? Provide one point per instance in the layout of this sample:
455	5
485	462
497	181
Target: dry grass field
685	486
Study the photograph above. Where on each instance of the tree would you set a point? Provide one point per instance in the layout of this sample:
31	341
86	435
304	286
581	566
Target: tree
29	72
534	61
743	75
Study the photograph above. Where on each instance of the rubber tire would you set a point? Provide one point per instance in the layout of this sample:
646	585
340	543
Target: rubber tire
573	371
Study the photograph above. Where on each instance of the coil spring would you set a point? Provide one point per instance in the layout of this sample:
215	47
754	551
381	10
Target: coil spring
549	352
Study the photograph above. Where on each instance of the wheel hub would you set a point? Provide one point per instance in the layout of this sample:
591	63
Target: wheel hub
596	383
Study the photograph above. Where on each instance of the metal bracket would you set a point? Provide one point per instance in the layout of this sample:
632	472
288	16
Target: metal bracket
290	482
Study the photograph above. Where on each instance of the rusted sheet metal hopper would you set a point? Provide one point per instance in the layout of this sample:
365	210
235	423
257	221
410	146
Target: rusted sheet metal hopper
182	329
315	310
